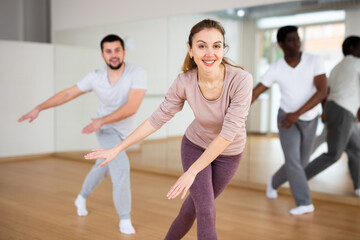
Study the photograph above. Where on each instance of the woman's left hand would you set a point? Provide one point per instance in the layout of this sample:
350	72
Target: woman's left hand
108	155
182	185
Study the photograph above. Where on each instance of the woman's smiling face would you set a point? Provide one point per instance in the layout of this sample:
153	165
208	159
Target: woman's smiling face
207	49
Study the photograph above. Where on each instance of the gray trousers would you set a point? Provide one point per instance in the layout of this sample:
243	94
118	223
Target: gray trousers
343	134
119	171
297	143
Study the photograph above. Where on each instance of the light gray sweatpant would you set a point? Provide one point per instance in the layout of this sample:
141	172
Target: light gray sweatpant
119	171
297	143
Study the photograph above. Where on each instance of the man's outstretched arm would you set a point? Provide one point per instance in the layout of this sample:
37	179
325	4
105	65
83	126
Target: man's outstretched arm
60	98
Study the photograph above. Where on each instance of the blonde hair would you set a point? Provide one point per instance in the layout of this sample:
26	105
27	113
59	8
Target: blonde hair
189	62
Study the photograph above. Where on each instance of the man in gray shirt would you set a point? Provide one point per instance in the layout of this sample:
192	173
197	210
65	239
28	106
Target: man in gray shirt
120	88
341	111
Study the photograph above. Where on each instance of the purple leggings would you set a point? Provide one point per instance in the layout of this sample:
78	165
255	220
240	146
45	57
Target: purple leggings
200	203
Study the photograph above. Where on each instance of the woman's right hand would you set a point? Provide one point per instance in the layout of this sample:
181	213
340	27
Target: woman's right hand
107	154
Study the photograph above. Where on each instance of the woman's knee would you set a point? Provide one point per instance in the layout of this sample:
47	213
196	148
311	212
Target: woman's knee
188	213
206	210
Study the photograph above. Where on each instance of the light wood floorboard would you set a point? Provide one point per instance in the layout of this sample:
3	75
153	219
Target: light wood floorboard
36	202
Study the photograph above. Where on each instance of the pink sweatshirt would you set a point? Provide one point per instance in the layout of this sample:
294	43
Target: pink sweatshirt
225	116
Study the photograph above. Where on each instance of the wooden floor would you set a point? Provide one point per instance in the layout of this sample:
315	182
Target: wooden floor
36	202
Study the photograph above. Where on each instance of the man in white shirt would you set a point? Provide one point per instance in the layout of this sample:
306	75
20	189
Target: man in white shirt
341	110
302	80
120	88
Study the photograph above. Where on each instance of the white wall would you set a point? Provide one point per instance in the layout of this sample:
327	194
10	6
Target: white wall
26	79
71	65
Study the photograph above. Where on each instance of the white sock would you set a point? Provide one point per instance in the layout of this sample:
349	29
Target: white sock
80	204
302	209
126	226
270	191
357	192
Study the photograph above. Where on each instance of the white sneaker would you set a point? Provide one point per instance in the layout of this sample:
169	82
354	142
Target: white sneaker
302	209
357	192
270	191
126	226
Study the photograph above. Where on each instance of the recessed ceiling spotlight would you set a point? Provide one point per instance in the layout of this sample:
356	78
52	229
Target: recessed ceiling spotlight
240	12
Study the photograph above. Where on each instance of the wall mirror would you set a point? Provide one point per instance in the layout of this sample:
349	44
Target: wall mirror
159	45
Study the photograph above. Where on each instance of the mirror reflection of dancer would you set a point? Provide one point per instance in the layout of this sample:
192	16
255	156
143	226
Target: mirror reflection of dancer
219	95
302	81
121	88
341	112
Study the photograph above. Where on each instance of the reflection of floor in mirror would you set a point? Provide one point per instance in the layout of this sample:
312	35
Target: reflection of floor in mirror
36	202
262	157
266	156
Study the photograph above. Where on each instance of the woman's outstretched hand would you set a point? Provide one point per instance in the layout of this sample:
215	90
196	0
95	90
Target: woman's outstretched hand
107	154
182	185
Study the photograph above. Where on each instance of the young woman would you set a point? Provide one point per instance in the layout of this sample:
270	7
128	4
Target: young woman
219	95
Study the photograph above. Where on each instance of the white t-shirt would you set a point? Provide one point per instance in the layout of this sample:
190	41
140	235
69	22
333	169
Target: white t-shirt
296	84
344	83
112	97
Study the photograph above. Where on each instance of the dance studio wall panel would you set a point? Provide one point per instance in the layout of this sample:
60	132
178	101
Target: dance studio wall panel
26	79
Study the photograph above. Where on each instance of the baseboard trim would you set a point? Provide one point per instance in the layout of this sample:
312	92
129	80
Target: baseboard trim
26	157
